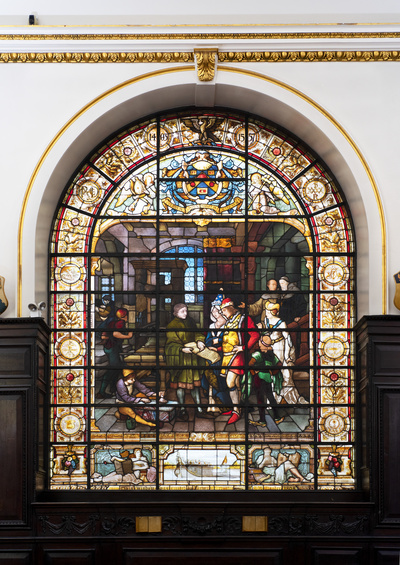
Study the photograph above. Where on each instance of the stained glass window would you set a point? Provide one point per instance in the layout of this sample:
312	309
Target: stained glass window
202	287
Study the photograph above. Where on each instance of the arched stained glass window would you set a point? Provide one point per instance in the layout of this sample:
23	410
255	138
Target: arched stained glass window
202	289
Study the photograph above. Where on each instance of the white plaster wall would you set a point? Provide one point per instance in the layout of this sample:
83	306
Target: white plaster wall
131	12
37	100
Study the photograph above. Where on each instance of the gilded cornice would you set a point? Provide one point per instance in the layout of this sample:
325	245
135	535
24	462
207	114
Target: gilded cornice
204	60
144	57
308	56
194	35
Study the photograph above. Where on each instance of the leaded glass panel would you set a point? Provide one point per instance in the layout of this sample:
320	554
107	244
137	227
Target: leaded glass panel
202	291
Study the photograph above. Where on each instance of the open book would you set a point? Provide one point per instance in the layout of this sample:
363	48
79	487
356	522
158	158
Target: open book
206	353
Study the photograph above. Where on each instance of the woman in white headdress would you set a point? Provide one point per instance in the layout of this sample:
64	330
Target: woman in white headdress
283	348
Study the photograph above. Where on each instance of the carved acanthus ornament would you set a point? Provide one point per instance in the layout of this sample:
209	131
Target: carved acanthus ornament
103	57
308	56
205	61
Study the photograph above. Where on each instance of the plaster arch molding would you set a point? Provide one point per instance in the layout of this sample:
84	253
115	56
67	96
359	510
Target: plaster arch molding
178	87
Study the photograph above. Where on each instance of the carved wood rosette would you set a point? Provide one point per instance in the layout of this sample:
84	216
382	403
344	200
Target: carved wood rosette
206	63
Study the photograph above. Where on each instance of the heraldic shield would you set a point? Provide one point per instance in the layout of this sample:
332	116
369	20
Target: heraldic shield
396	299
3	298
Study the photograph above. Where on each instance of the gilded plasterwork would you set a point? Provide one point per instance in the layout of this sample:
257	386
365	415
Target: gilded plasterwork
205	60
202	36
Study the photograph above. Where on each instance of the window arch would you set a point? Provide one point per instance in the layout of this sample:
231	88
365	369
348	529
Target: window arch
202	289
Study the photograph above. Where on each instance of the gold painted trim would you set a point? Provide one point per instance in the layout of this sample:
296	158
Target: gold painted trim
206	62
189	56
146	57
50	147
307	56
354	147
196	35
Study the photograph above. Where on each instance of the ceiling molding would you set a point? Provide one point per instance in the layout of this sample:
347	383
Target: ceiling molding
189	56
237	36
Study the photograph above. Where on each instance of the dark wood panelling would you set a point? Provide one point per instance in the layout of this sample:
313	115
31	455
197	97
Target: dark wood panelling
16	557
23	360
13	450
378	339
363	417
69	557
387	556
341	528
386	357
390	455
42	369
199	557
41	440
337	556
15	360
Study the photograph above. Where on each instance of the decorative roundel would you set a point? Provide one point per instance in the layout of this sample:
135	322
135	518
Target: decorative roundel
128	151
70	273
151	137
70	348
276	151
335	424
333	273
240	137
329	221
71	376
333	301
88	192
333	348
70	424
314	191
70	302
75	221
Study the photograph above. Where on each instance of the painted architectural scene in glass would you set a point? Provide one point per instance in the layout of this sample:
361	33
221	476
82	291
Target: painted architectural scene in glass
202	287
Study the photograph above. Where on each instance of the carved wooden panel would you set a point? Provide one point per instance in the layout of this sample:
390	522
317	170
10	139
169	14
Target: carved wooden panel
386	358
41	440
390	455
16	557
199	557
23	371
15	360
69	557
387	556
378	340
101	521
334	556
13	423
